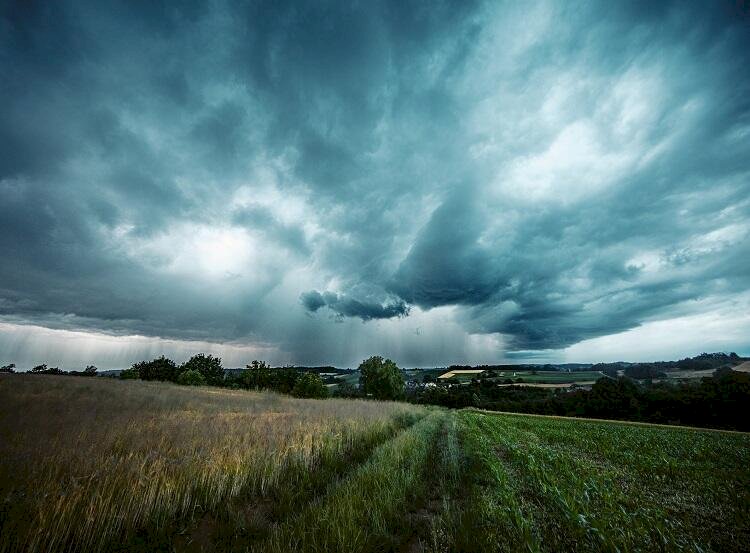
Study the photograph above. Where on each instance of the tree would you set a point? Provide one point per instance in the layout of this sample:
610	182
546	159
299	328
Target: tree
130	374
380	378
255	365
345	389
158	369
9	368
208	365
42	369
88	371
192	377
310	385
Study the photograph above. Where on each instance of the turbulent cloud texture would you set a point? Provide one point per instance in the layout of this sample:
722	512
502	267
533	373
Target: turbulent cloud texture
523	177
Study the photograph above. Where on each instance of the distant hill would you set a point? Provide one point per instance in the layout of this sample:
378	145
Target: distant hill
318	370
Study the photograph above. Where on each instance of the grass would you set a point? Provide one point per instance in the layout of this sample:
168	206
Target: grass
551	484
86	463
557	377
101	465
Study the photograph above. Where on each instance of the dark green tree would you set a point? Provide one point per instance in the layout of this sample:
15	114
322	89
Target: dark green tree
10	368
380	378
42	369
130	374
191	377
345	389
208	365
310	385
158	369
258	376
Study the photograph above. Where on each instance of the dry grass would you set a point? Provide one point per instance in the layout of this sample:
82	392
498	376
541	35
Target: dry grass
85	461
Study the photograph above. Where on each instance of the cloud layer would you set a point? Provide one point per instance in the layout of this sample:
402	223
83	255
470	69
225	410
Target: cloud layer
529	177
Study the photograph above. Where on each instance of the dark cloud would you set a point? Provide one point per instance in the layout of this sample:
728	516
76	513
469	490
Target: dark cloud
346	306
548	173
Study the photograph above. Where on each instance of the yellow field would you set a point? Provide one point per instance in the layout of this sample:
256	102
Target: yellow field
85	460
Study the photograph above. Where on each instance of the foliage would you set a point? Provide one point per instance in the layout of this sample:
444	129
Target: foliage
722	401
381	379
346	389
43	369
548	484
90	370
255	365
10	368
208	366
265	378
191	377
310	385
643	371
231	470
161	368
130	374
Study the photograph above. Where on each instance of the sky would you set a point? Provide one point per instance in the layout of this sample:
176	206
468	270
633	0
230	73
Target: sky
314	182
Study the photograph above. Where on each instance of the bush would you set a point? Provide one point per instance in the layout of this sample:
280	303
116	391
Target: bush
345	390
208	366
265	378
191	377
381	378
310	385
42	369
129	374
158	369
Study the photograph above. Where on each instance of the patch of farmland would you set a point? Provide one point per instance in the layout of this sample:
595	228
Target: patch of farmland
557	377
124	466
93	464
555	484
559	385
689	375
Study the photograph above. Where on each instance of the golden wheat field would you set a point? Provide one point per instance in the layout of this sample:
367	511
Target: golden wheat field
90	463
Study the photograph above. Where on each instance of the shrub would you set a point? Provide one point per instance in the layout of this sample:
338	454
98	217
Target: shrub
129	374
265	378
42	369
158	369
381	378
346	390
208	366
191	377
310	385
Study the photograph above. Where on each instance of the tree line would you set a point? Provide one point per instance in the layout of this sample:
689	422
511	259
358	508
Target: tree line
378	378
720	401
90	370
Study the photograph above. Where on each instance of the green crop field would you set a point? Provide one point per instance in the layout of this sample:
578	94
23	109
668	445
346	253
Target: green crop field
100	465
554	377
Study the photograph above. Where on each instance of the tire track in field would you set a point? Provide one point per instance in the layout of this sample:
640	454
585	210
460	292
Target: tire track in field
365	510
248	519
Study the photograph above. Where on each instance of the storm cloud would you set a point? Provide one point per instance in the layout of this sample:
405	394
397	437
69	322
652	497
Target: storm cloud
345	306
323	182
